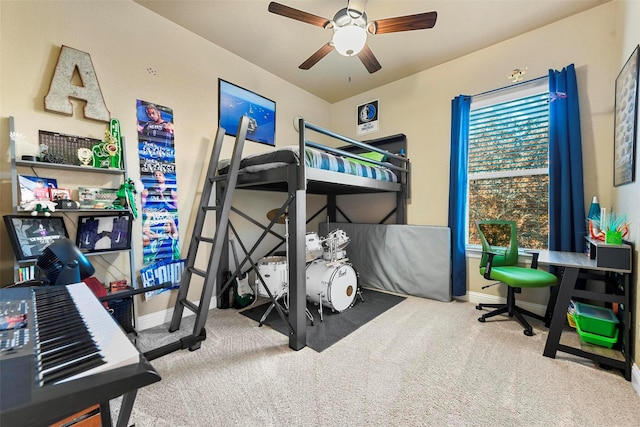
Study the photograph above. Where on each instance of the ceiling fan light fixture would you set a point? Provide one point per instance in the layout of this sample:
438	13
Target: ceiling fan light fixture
349	40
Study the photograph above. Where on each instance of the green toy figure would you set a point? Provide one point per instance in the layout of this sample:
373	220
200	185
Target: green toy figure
126	196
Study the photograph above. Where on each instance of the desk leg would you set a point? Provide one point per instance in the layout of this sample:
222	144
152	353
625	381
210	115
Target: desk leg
565	293
551	305
105	414
125	408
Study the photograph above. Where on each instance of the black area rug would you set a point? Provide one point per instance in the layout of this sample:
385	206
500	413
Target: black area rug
335	326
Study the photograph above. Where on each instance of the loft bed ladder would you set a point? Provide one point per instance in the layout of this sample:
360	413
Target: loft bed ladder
222	208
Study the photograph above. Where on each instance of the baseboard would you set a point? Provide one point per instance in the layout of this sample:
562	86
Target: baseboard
635	378
162	317
480	298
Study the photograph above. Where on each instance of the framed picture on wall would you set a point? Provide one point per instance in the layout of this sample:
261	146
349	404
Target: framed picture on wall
235	102
626	121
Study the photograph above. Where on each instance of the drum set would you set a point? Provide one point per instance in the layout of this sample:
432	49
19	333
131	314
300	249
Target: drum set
332	281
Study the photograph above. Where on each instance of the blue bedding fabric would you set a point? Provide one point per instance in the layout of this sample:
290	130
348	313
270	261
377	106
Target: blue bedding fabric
315	159
321	160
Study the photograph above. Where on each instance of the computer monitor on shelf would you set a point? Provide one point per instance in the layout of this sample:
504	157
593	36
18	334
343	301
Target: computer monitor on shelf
30	235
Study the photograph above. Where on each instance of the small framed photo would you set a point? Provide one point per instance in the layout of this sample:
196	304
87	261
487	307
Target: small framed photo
60	194
30	235
35	187
96	198
104	233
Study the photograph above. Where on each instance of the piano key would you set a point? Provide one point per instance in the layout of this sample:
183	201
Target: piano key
73	369
65	356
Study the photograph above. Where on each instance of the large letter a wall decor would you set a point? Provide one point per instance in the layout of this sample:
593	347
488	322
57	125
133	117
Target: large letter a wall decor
62	87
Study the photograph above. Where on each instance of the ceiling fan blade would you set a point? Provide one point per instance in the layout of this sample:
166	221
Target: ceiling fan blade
298	15
420	21
317	56
369	60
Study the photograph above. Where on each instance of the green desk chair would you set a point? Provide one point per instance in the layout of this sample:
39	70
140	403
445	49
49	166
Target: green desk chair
500	262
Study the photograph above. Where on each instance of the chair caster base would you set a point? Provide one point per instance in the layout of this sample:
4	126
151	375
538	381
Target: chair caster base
478	307
481	319
528	332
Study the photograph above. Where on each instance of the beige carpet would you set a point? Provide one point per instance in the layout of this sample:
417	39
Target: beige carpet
421	363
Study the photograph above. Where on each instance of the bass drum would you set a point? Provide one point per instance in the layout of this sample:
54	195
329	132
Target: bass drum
333	286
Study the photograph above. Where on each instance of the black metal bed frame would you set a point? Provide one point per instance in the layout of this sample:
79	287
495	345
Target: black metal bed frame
298	181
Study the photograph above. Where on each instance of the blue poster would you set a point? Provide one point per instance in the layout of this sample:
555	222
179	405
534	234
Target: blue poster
156	151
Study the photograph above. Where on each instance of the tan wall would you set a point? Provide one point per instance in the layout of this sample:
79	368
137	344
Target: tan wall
420	106
625	198
124	40
597	41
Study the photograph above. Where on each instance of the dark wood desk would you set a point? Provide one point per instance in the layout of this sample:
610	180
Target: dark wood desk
616	290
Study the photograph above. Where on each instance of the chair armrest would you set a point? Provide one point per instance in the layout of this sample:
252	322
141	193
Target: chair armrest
487	268
534	259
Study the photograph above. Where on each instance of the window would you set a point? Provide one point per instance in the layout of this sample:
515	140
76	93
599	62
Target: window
508	168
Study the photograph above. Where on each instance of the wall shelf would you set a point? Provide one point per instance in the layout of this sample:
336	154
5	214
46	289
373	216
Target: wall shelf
90	169
17	164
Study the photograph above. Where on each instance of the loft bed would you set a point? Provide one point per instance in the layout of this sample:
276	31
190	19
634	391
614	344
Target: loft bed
282	170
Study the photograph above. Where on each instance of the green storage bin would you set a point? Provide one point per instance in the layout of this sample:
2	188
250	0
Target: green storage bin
607	342
596	320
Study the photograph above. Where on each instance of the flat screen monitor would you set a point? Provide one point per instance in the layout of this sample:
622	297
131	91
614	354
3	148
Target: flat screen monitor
235	102
30	235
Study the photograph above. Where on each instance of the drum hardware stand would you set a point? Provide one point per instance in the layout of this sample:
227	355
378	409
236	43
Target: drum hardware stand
274	300
358	288
274	303
320	295
266	230
286	237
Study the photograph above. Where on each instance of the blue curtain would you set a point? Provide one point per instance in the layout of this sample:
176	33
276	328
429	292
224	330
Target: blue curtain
460	106
566	191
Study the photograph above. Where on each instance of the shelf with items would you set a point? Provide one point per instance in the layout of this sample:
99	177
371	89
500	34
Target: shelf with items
85	210
72	173
570	338
90	169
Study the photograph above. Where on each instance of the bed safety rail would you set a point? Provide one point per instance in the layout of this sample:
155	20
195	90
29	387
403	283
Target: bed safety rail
402	166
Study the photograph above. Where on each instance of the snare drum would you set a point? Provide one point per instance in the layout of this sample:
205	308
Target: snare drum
313	246
273	270
333	286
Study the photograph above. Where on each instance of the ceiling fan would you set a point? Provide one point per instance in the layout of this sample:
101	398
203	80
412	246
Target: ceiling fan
350	27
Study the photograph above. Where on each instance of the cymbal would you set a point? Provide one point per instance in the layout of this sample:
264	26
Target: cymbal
272	214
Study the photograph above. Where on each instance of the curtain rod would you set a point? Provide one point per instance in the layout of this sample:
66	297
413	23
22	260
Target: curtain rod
489	92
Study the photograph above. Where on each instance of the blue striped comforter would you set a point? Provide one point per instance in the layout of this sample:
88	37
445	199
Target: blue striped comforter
321	160
313	158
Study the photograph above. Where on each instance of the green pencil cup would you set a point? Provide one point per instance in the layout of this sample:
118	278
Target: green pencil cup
613	237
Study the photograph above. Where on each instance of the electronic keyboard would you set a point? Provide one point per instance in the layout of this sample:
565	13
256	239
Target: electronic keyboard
60	352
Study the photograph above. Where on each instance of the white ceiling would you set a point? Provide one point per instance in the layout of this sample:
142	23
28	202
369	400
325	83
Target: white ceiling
278	44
